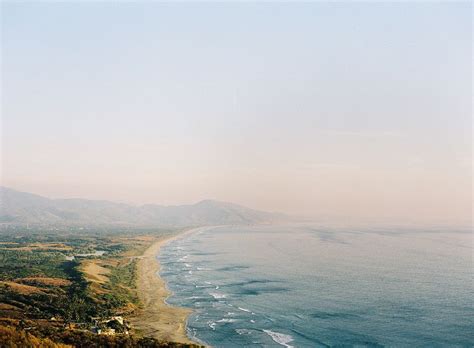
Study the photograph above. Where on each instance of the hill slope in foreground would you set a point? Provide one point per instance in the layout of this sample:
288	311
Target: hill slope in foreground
57	290
26	208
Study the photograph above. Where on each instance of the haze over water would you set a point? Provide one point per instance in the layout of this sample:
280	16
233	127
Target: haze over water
308	286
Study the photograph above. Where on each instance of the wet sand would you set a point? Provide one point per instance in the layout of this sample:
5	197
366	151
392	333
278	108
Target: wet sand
158	319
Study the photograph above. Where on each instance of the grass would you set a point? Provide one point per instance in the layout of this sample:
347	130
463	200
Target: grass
37	283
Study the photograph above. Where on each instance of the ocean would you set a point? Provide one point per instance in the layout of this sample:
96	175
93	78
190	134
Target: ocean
312	286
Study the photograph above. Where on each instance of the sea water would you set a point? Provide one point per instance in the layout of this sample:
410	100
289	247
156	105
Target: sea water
308	286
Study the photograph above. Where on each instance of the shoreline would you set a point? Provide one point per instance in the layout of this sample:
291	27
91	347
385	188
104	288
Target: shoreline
157	318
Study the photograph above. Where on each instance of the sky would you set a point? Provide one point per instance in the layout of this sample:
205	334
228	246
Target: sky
345	111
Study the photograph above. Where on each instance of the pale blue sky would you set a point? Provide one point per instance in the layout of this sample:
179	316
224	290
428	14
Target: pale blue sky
359	110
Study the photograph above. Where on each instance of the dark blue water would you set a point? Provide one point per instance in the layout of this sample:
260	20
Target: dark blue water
306	286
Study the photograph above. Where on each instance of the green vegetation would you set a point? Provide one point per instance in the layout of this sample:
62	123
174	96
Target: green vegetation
57	298
20	263
50	337
121	286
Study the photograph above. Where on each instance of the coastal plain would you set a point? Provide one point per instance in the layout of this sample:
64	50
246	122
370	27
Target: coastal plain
71	288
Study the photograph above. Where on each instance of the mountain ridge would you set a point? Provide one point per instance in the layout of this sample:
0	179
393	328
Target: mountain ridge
17	207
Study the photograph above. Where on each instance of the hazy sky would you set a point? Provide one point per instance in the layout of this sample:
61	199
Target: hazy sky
355	111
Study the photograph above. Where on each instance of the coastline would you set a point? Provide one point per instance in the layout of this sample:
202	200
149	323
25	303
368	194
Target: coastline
157	318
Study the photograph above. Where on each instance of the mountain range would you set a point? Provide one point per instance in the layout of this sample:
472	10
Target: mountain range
26	208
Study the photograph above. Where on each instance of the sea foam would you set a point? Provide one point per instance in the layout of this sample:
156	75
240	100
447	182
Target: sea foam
217	295
280	338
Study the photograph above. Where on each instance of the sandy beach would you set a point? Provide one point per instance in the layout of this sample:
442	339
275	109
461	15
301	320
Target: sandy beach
157	318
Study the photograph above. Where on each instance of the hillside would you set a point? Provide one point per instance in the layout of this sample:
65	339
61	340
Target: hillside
27	208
